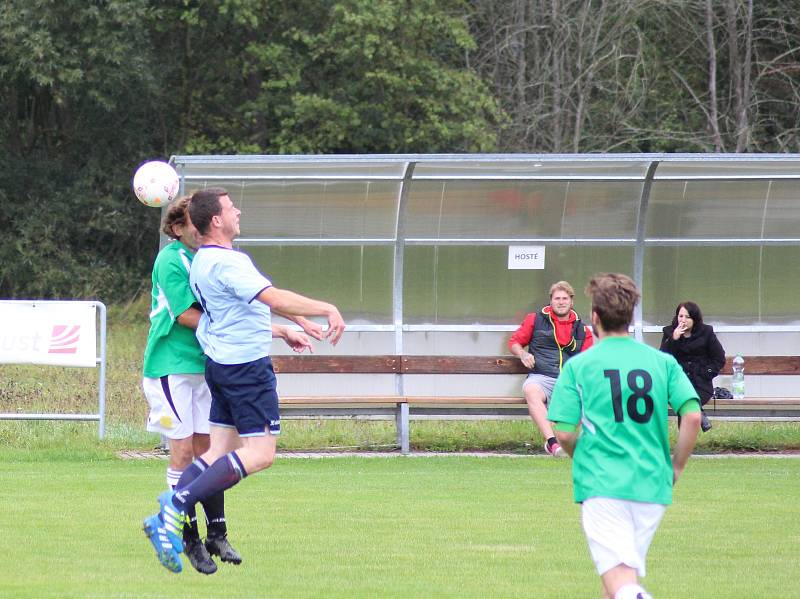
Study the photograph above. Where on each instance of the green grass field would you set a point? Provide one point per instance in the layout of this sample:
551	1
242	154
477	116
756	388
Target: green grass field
390	527
461	527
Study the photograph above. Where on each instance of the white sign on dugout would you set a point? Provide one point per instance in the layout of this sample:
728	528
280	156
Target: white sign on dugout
525	257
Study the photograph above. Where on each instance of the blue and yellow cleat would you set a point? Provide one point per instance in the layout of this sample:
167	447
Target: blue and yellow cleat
172	518
165	550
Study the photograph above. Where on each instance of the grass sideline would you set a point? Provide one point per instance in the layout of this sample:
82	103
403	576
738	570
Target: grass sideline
18	438
393	527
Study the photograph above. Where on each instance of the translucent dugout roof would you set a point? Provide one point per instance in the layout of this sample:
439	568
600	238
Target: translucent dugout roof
425	242
493	166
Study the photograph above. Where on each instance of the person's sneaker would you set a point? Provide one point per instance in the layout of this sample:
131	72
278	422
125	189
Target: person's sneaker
198	556
554	450
172	518
170	558
705	423
220	547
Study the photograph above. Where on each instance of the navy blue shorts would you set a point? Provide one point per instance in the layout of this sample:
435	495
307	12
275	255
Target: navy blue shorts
244	396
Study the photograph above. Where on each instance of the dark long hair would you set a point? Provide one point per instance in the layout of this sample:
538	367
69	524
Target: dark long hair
694	312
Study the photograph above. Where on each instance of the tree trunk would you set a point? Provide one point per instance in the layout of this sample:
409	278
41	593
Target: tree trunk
743	121
739	80
713	114
558	92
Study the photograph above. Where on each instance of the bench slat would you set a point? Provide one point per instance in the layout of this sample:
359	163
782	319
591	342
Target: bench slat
388	364
726	404
766	365
336	364
757	401
331	400
462	365
441	400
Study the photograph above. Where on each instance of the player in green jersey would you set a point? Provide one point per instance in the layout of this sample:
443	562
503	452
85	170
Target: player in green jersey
610	409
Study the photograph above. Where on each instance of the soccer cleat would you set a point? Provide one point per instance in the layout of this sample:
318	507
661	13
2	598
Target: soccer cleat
198	556
555	450
170	558
173	519
219	546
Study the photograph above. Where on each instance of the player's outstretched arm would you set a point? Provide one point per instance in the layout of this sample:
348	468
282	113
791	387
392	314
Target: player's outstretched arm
287	302
311	328
294	339
687	436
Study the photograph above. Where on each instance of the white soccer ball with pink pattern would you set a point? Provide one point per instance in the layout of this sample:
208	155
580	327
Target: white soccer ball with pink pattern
156	183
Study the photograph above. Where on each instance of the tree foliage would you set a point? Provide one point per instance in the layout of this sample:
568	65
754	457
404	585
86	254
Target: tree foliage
641	75
92	89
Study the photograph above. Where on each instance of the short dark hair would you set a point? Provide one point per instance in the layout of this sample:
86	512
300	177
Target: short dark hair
204	205
613	297
175	215
694	313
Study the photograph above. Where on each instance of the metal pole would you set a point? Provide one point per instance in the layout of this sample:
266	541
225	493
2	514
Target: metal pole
397	297
638	252
102	362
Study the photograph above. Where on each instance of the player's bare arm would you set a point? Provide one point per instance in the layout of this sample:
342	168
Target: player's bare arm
285	302
189	318
298	341
567	440
311	328
687	435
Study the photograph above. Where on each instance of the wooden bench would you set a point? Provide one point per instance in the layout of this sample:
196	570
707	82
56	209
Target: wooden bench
402	408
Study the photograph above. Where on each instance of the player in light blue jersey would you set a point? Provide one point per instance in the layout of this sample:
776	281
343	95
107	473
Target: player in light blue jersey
235	332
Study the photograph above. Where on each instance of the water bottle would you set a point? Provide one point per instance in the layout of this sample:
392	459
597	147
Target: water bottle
737	380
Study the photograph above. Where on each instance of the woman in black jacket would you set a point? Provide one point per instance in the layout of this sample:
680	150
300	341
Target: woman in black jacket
697	350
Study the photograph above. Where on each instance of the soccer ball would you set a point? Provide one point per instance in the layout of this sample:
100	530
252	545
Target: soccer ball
155	183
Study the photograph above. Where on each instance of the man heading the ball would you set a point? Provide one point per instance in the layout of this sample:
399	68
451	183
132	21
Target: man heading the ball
235	332
173	381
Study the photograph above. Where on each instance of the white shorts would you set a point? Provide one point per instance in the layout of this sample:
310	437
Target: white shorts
620	531
179	405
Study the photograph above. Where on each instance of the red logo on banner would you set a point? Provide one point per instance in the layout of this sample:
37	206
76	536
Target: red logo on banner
64	339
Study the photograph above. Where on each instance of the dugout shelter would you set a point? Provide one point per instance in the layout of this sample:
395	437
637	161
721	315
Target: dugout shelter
444	254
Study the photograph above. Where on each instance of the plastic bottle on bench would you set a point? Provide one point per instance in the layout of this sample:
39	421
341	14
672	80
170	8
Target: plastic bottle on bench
737	380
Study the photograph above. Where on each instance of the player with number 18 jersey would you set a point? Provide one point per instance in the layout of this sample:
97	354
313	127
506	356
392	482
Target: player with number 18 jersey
619	392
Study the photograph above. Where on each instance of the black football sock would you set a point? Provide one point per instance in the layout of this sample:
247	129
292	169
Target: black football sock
214	507
222	474
190	530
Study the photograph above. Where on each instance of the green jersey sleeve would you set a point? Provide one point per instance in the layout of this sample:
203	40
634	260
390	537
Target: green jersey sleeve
688	407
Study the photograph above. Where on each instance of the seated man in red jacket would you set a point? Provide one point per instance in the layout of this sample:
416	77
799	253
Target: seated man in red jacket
543	342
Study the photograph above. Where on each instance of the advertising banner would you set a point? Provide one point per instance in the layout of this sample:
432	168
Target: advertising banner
48	332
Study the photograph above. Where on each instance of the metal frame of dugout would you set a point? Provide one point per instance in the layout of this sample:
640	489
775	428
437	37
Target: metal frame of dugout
406	169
